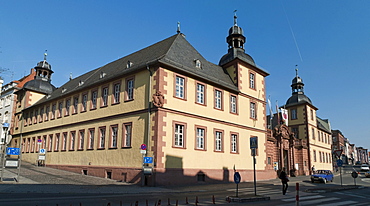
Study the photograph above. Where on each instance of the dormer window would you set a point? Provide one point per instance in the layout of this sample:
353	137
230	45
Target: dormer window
198	63
64	90
81	83
129	64
102	75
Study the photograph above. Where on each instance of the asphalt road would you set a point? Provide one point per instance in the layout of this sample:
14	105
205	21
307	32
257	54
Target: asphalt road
46	186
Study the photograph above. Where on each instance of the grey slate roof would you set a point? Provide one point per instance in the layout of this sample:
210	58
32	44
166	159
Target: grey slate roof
323	124
174	51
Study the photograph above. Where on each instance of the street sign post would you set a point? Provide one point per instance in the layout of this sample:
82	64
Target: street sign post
237	179
354	175
254	147
148	160
12	151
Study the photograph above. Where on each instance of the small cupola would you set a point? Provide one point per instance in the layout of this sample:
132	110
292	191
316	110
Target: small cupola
43	69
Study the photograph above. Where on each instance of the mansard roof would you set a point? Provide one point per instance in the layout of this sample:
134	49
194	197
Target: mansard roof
174	52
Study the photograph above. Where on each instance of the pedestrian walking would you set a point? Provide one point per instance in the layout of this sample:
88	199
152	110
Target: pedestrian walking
284	180
313	169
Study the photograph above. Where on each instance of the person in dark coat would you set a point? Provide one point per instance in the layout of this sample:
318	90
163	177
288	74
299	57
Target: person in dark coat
284	180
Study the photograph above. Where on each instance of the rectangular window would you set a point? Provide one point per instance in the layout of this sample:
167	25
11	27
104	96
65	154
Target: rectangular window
314	155
218	99
104	97
218	141
127	134
47	111
44	142
201	93
311	114
57	139
50	143
64	143
252	82
296	132
200	139
33	144
253	110
233	105
130	89
72	141
313	133
36	116
179	135
91	138
293	113
180	87
68	106
116	93
81	139
234	143
41	114
84	103
60	109
53	110
75	105
113	136
94	96
101	137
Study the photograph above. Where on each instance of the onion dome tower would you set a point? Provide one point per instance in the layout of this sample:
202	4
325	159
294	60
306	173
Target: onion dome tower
42	81
298	96
236	41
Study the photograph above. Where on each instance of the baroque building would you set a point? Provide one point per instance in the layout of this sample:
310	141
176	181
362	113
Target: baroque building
305	140
162	115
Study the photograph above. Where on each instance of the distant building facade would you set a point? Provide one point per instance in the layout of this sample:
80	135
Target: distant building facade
306	141
194	118
7	106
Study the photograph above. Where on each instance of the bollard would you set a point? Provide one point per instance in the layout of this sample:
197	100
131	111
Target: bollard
177	202
169	201
196	200
120	203
159	202
213	199
137	203
147	203
297	194
187	202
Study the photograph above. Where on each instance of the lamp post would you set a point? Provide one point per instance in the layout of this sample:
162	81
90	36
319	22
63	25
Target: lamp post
3	148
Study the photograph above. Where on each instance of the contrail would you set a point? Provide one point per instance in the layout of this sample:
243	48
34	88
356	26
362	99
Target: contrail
291	30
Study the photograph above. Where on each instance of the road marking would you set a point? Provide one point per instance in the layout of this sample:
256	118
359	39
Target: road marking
303	198
349	194
316	202
349	202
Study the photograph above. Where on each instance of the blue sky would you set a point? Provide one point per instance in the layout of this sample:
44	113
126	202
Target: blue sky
328	40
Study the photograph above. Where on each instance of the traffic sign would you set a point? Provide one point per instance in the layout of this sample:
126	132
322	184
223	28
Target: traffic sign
143	147
340	163
42	151
338	153
237	177
354	174
254	142
148	160
12	151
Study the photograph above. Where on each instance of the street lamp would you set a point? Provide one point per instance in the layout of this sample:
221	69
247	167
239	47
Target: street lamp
5	130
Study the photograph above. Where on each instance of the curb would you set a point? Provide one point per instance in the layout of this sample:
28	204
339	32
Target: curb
246	199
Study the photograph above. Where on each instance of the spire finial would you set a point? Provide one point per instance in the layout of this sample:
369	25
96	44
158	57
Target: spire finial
45	54
235	17
178	27
296	70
